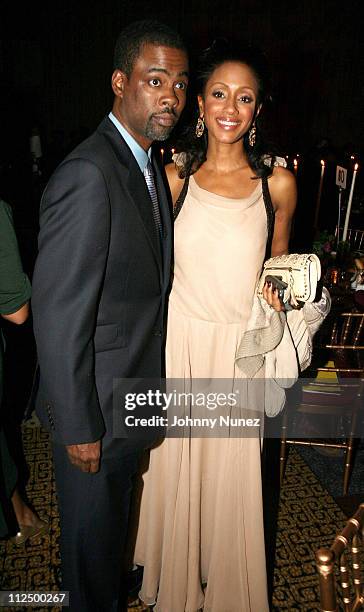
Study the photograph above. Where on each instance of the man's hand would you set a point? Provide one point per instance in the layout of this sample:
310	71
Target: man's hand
85	456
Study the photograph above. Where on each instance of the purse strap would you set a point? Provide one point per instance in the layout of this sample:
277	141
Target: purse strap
270	216
181	198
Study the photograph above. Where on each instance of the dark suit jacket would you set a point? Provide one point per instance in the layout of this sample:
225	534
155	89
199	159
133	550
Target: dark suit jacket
99	285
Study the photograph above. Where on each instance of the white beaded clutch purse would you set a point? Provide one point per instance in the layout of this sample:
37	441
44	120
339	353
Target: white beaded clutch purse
300	272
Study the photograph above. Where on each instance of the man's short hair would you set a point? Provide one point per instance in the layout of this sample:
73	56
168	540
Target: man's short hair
134	36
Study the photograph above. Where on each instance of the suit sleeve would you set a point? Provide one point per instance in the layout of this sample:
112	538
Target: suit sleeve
67	283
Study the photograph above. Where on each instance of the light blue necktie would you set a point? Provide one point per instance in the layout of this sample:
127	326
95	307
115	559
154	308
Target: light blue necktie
149	179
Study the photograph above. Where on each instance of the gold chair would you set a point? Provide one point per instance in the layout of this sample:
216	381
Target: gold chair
347	546
355	237
340	345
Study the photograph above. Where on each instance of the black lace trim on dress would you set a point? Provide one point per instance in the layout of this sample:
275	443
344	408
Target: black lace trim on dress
270	216
181	198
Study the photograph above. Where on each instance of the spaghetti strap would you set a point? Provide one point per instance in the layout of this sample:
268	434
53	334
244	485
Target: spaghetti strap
270	215
181	198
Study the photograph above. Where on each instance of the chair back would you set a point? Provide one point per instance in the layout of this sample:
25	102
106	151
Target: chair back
347	552
355	237
347	331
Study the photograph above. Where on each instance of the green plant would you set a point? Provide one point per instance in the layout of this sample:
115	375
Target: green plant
324	244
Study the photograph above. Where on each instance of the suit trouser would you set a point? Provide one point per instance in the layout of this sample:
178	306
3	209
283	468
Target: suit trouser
94	510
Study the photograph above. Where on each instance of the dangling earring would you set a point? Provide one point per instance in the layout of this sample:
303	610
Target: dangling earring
200	127
252	135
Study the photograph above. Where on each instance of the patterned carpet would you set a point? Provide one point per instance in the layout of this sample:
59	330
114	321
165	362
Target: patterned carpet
309	518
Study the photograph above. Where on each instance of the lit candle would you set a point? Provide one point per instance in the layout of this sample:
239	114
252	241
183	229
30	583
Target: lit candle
348	210
295	166
162	153
338	220
319	194
172	151
35	146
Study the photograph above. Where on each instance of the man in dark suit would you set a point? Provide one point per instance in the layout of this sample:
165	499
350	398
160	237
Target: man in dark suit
99	302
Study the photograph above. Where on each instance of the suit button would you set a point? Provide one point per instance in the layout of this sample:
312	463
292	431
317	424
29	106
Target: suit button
157	332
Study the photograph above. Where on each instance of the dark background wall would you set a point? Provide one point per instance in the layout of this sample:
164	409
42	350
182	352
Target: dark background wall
56	57
55	68
56	64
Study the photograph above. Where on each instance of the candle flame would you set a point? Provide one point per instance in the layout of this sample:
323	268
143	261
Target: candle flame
162	151
295	163
172	151
322	163
356	167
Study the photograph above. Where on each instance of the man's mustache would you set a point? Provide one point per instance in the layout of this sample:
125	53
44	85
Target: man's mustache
169	111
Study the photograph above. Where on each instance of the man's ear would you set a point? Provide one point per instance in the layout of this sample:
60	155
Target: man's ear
118	80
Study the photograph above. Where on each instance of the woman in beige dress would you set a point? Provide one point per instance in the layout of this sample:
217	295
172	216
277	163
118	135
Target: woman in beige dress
200	536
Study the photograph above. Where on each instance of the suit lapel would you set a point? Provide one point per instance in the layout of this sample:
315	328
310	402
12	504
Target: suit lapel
135	185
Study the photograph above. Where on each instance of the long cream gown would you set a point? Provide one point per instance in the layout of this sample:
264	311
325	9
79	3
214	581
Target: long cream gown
200	534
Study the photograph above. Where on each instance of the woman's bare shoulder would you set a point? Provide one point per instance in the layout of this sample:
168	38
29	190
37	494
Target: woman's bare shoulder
282	176
282	187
